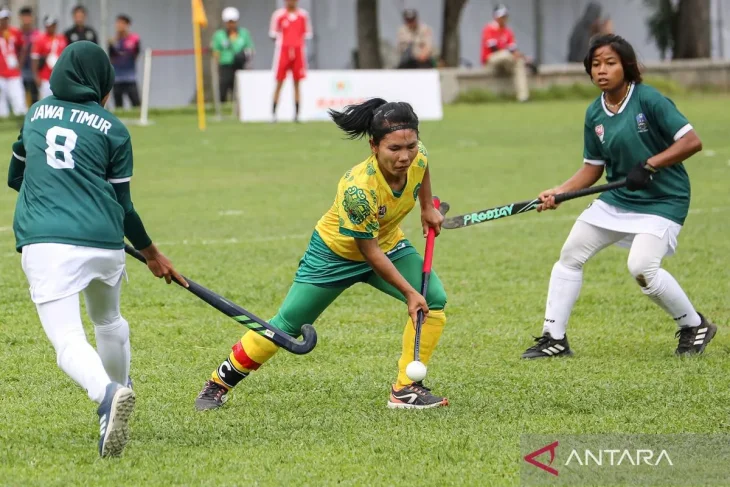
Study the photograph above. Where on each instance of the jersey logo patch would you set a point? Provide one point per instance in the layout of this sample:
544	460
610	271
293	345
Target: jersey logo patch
641	124
356	205
381	211
600	132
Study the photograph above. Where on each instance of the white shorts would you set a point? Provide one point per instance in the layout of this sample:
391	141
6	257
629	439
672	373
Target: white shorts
56	271
601	214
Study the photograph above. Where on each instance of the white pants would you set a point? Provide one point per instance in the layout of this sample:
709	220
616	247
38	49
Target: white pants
644	263
44	91
12	95
505	61
57	274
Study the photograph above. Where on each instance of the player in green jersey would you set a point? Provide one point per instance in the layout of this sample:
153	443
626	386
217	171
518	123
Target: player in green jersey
632	132
71	165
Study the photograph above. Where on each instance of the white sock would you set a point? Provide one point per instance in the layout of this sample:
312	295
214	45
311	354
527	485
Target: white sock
112	344
665	291
61	321
564	289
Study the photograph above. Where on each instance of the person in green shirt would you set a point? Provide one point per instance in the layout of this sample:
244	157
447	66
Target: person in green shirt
234	49
71	166
631	131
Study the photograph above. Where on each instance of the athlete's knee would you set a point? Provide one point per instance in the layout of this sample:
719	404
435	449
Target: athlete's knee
288	325
571	257
436	298
643	268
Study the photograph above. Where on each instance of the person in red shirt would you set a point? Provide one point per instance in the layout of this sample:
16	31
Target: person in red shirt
45	53
11	81
290	27
499	50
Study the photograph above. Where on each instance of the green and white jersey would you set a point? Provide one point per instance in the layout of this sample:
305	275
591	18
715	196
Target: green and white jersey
73	152
647	124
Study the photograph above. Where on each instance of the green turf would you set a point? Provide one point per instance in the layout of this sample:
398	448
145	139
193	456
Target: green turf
234	207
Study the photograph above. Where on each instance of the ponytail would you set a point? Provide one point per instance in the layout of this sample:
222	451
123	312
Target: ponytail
356	120
375	118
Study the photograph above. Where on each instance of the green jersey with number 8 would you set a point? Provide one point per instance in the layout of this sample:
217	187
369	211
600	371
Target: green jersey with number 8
73	151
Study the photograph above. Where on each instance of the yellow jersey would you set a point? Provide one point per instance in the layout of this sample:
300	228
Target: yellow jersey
366	207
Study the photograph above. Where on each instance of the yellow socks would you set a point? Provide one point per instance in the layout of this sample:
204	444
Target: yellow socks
430	334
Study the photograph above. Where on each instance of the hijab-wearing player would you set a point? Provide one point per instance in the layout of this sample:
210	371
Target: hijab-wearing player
359	240
632	132
72	165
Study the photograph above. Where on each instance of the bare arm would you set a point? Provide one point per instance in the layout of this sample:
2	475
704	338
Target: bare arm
384	268
430	216
681	150
587	176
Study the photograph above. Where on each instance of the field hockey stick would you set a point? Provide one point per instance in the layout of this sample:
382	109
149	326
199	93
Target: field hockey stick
498	212
245	317
426	275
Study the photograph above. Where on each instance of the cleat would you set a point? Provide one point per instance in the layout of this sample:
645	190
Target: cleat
114	413
693	340
415	396
546	346
212	396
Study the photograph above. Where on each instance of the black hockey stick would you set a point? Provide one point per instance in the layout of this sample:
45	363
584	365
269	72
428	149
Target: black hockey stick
246	318
498	212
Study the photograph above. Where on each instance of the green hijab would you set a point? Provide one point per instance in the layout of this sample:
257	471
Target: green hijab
82	73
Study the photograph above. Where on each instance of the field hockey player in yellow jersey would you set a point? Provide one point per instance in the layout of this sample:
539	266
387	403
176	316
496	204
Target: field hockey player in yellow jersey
359	240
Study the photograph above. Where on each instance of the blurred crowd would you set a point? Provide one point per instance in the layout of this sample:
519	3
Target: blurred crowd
28	55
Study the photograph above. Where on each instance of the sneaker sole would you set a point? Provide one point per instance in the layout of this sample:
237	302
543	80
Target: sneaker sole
117	433
568	353
710	335
402	405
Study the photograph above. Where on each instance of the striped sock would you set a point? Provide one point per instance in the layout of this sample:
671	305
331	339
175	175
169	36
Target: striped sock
248	355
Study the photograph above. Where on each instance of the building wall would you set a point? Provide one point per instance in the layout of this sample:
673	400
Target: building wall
165	24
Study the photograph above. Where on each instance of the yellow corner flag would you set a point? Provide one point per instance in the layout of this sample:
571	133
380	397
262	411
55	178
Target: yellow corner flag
200	21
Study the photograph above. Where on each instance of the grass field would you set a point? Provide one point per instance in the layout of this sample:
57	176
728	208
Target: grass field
234	208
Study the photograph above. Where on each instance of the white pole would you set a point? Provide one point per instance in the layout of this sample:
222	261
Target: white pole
214	77
146	84
103	25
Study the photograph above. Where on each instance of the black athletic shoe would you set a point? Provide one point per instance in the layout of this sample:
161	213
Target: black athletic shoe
212	396
692	341
546	346
415	396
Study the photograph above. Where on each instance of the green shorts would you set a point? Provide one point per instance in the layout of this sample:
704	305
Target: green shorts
321	266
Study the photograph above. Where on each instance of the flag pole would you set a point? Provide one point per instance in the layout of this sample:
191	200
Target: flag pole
198	22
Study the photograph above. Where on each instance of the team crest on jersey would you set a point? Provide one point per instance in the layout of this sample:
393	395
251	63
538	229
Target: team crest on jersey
381	211
356	205
600	132
641	124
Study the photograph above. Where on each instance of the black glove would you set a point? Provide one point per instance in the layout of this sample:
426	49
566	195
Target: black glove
640	176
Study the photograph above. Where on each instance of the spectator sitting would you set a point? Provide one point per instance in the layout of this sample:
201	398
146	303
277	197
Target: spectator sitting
415	42
589	25
233	48
29	34
499	50
123	52
79	31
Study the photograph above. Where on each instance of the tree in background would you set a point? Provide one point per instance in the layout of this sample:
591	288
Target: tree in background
450	40
684	30
368	37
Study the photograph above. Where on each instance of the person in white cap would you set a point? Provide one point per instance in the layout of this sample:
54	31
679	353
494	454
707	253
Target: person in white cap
233	48
499	50
11	81
45	53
